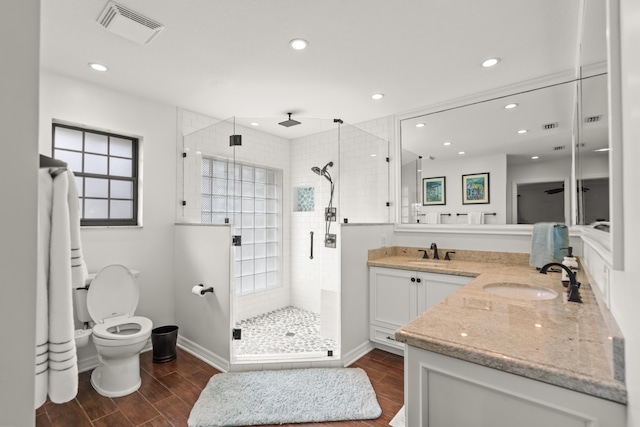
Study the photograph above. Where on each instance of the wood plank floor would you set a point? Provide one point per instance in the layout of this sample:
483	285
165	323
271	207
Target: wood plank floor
169	391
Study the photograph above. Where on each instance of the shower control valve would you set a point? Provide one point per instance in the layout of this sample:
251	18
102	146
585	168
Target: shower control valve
330	214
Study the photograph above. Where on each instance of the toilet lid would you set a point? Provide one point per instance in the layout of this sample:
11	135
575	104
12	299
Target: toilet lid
113	292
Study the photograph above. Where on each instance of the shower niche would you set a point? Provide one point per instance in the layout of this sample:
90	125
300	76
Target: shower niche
305	199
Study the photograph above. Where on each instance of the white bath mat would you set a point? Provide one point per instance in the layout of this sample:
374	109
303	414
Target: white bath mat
285	396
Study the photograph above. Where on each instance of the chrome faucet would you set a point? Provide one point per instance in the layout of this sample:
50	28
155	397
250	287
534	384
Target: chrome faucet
573	293
435	251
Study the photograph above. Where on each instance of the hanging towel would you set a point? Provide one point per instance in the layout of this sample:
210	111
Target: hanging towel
45	194
475	218
433	217
66	271
547	243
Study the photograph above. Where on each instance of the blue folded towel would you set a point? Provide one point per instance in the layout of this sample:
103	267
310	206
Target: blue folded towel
546	242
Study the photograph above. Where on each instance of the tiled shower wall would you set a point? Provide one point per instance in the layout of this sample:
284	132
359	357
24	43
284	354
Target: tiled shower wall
258	148
361	177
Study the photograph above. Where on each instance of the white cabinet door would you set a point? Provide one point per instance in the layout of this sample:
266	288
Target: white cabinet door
393	301
437	287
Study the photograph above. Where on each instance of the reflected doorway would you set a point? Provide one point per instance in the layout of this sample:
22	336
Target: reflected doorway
541	202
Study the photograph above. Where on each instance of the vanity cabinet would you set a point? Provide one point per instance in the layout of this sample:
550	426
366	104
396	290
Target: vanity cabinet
442	391
398	296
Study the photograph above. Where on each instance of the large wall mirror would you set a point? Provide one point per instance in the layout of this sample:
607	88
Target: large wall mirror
538	150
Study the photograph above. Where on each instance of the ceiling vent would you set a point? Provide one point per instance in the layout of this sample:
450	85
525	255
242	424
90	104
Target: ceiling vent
129	24
559	147
592	119
550	126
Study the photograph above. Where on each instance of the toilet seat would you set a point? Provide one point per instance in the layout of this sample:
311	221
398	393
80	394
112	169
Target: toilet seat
118	329
113	293
111	301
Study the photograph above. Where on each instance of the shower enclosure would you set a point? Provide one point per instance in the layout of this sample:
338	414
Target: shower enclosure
285	285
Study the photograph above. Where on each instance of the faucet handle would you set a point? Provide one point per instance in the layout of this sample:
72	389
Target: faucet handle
424	256
446	255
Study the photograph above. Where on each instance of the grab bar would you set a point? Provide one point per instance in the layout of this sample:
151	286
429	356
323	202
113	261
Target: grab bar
311	256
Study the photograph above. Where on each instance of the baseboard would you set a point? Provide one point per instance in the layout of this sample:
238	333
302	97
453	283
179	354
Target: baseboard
357	353
389	349
203	354
88	363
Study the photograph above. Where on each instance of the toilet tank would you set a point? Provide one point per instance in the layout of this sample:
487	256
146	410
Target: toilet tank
82	313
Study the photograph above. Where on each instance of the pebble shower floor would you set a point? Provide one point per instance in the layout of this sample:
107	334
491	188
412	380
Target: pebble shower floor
287	330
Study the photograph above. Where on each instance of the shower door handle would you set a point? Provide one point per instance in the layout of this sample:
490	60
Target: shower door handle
311	256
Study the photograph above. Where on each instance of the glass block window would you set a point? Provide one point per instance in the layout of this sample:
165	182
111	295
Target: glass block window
106	170
250	197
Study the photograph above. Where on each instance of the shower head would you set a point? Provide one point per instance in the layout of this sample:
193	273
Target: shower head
323	171
290	122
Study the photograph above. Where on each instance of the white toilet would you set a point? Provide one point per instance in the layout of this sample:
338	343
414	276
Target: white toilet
118	335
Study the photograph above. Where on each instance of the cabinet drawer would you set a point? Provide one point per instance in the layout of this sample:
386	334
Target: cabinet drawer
384	336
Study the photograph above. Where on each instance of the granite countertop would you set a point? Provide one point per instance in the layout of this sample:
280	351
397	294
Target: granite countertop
562	343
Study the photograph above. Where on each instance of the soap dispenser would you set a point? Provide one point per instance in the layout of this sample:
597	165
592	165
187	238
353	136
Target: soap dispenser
571	262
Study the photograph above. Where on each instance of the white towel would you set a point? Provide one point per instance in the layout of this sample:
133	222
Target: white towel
475	217
66	271
433	217
45	194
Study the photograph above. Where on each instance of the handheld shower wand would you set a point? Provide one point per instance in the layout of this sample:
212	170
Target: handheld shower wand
329	213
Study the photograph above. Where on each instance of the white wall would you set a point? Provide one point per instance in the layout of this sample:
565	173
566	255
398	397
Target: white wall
453	171
356	242
202	256
149	248
625	285
19	32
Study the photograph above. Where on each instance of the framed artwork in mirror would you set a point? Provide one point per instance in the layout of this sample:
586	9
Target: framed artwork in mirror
475	189
434	191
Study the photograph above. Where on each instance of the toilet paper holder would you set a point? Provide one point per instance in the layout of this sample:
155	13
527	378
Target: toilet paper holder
205	290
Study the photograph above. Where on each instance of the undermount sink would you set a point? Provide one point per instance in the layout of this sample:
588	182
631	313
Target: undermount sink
521	292
427	263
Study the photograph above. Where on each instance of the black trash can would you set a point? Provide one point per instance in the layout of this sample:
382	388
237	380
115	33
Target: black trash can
163	340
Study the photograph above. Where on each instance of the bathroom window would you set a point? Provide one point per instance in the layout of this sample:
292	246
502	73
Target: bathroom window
106	170
250	197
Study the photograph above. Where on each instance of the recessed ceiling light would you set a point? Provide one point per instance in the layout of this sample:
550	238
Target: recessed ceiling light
523	131
377	96
510	106
298	44
373	155
535	157
447	143
599	150
490	62
255	124
98	67
420	125
461	152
